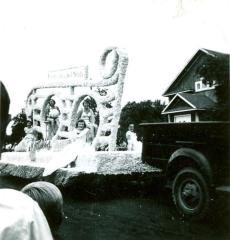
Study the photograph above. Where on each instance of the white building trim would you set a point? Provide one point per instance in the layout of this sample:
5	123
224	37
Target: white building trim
185	91
186	110
197	117
178	95
193	106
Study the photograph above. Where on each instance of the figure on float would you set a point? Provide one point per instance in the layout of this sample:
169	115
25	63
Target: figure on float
131	137
51	118
87	114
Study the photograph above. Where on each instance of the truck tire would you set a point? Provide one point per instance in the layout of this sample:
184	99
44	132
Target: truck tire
191	194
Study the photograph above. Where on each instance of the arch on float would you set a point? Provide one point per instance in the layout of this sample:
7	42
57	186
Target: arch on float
43	112
45	103
76	104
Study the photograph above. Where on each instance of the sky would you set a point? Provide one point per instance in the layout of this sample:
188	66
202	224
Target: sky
160	37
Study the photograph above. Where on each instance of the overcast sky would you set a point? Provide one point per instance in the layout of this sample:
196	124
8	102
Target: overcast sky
160	37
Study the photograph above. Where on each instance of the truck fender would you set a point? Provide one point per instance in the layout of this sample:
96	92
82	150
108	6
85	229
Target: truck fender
195	157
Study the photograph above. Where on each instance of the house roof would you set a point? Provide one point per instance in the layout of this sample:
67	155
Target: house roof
189	102
199	100
192	62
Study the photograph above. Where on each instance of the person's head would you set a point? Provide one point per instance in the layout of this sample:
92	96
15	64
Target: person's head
4	115
81	124
131	127
86	104
29	124
52	102
50	200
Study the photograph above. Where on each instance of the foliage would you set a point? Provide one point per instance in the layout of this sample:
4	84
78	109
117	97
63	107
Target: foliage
136	113
19	123
216	71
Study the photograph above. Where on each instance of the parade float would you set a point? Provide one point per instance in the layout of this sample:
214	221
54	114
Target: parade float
69	90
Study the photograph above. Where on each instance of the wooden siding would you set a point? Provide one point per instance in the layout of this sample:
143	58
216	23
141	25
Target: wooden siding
187	81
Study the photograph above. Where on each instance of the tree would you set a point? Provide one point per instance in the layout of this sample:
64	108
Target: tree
136	113
19	123
216	71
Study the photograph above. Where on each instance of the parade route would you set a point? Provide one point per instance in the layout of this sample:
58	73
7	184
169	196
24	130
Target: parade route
114	213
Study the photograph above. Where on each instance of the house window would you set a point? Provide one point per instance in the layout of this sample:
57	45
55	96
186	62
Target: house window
183	118
200	86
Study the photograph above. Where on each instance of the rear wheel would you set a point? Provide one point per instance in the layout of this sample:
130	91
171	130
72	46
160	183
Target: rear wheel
191	193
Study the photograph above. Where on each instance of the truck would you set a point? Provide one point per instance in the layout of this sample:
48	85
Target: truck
193	159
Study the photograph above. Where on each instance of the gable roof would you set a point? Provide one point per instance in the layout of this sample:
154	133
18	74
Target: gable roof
189	102
199	100
200	53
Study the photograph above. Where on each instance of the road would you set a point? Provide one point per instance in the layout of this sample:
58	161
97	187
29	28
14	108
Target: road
121	213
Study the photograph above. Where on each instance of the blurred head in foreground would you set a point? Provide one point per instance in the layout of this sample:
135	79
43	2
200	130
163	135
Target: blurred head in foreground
50	200
21	217
4	114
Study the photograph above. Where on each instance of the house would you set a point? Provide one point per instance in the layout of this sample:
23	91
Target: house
191	97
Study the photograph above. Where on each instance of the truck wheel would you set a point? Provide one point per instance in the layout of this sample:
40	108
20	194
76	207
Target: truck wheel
191	193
